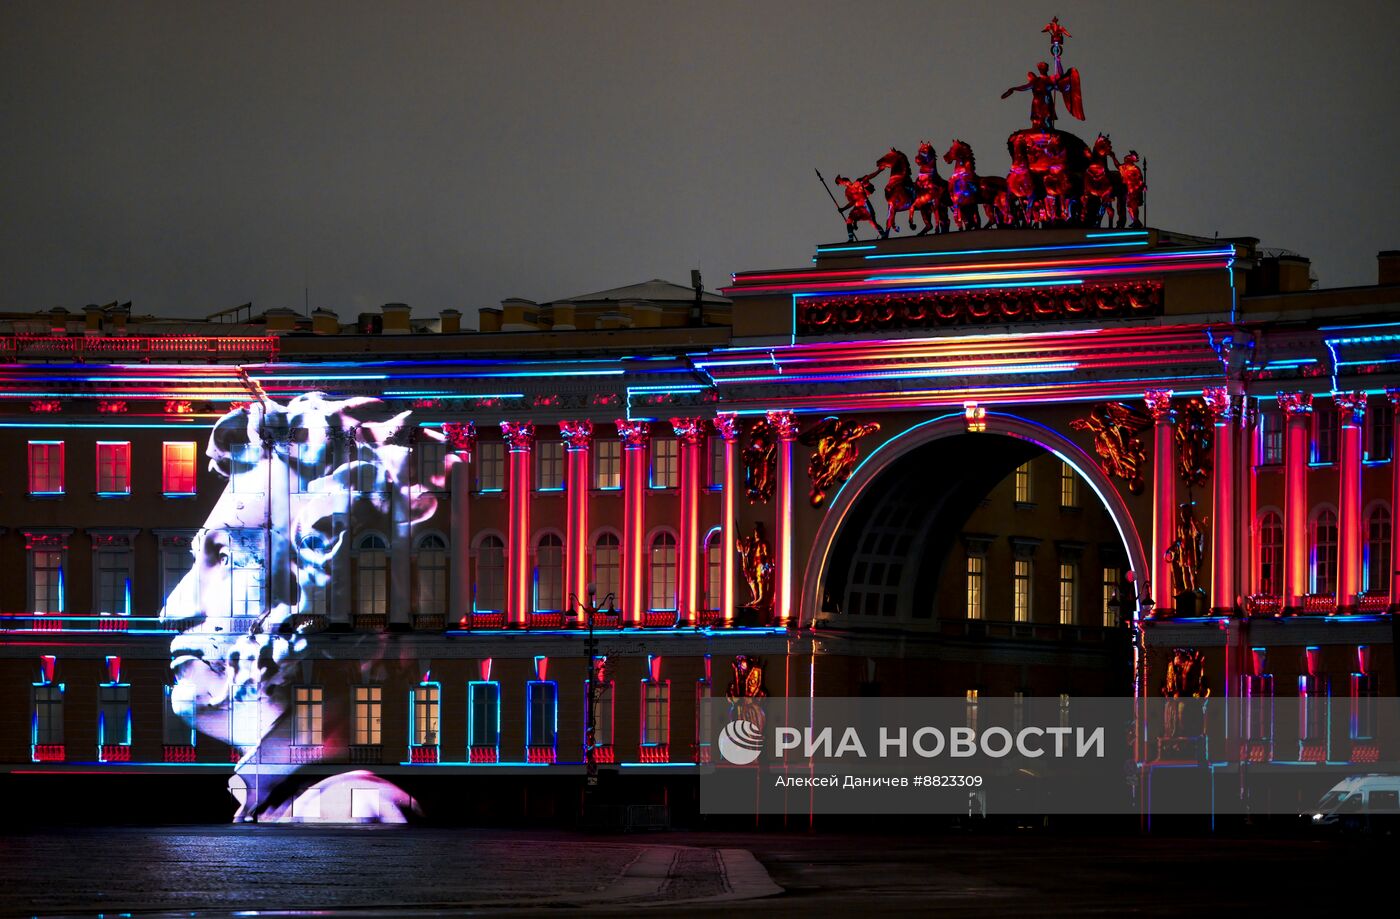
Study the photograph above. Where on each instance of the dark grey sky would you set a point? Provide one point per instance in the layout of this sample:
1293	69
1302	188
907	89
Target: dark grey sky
194	156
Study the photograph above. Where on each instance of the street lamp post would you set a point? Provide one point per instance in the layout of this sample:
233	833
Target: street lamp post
595	689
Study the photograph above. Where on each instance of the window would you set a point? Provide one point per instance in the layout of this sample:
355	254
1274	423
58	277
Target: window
490	575
1271	555
432	575
113	468
1021	590
48	713
114	582
715	474
175	563
1069	575
483	714
491	466
1380	430
603	719
607	566
175	731
976	566
177	475
607	464
1377	560
1325	434
47	580
369	708
549	573
1069	486
114	715
373	576
46	467
1112	578
663	572
542	713
714	571
306	726
664	459
425	714
1270	438
549	465
656	712
246	577
249	477
1023	483
1324	552
432	464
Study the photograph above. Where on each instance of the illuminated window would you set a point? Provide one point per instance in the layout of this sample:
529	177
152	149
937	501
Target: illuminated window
1324	552
175	731
48	714
113	468
1270	438
1378	565
46	580
549	465
607	464
491	466
1325	434
656	712
542	713
1023	483
1380	430
549	573
1112	578
46	467
432	575
1069	486
976	566
1021	590
249	476
1069	575
483	714
607	566
490	575
716	463
177	468
432	464
373	599
113	582
664	463
714	571
369	715
426	698
663	572
306	726
114	715
1271	555
246	551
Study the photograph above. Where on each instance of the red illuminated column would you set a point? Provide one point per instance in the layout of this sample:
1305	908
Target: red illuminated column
1250	449
1394	396
1222	549
520	440
727	426
1159	405
690	433
578	437
461	440
785	425
1298	408
1351	412
634	490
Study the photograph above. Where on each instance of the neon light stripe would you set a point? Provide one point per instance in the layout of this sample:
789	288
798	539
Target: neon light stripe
998	251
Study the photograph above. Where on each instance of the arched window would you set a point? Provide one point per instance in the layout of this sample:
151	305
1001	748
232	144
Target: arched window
607	567
549	573
714	571
432	575
373	597
490	575
663	572
1378	564
1324	552
1271	555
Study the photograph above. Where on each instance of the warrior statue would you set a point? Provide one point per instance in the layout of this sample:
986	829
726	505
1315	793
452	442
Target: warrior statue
858	207
756	560
1135	185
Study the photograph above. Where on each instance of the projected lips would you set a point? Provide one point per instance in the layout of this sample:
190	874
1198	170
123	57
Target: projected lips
740	742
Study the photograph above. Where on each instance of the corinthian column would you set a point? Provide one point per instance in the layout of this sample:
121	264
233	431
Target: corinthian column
1351	412
461	440
785	424
1159	405
634	487
520	441
1222	545
727	426
578	437
1298	409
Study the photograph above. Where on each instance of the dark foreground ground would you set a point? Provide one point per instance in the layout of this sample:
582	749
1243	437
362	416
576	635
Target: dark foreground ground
222	870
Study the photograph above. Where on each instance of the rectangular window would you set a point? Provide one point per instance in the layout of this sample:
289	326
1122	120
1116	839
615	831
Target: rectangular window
432	464
177	468
542	713
715	474
603	720
1270	438
249	475
491	466
976	565
176	731
607	464
1325	435
113	468
1069	575
46	467
369	715
1112	578
656	712
114	582
1023	483
175	563
48	714
47	580
664	467
246	575
1380	430
426	698
483	714
306	728
114	715
1021	590
549	465
1069	486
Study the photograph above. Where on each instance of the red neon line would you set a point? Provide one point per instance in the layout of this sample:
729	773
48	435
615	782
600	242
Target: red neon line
969	266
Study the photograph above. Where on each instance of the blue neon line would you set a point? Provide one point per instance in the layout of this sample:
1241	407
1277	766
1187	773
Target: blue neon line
1104	235
844	248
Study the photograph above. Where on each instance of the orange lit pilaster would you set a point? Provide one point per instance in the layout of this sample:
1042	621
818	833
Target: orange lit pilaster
578	437
634	490
690	434
785	426
1298	408
520	440
1222	544
1159	405
727	426
1351	412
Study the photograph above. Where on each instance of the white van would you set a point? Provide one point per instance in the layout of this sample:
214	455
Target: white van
1360	801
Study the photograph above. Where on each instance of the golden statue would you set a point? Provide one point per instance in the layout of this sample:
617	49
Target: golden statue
1116	427
756	558
834	453
1187	550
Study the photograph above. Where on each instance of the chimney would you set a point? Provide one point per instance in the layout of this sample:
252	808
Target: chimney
280	319
488	319
119	314
93	314
58	321
519	315
1389	264
324	322
1293	274
396	316
644	313
451	321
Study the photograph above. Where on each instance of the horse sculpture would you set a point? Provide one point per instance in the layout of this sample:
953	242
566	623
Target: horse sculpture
1056	161
969	190
931	189
899	190
1104	191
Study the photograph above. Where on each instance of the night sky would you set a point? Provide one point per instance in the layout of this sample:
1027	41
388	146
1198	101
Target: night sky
195	156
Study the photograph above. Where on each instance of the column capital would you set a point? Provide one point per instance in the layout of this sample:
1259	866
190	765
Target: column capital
785	423
1159	405
634	434
1351	406
519	435
727	424
689	431
1296	404
1221	404
1394	396
577	434
461	436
